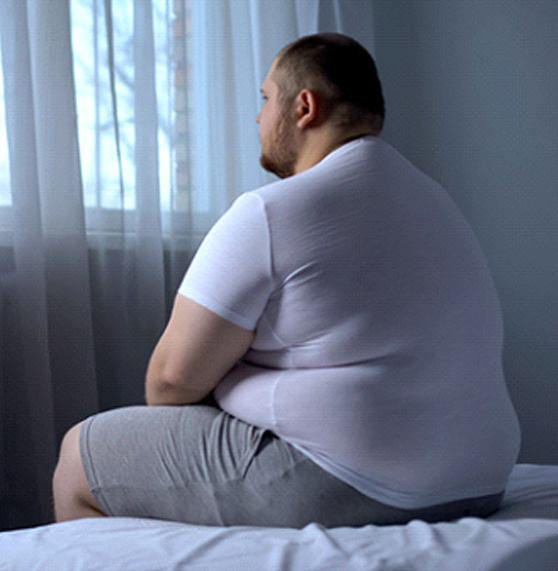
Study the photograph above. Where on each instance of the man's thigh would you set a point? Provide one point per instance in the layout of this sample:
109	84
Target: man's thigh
197	464
165	462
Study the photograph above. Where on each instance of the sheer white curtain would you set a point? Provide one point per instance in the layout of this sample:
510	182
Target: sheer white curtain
95	229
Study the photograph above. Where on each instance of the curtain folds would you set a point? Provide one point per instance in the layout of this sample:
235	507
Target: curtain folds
48	351
86	284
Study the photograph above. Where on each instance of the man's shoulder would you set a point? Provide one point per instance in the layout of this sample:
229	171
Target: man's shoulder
296	186
347	162
281	192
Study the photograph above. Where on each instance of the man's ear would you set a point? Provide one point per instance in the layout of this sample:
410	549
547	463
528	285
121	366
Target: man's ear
308	108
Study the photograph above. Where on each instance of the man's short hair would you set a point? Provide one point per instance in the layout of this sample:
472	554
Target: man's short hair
340	70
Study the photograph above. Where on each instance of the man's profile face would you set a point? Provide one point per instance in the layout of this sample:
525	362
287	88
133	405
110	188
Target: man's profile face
276	132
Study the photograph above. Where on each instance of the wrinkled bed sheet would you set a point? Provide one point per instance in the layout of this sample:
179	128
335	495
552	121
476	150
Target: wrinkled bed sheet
523	535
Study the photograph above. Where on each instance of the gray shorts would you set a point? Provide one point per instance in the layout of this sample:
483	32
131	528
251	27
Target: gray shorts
197	464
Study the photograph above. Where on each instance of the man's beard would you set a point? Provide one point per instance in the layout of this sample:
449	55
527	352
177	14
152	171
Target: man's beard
280	158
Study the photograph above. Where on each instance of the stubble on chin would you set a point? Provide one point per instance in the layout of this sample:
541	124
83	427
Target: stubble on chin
281	169
280	157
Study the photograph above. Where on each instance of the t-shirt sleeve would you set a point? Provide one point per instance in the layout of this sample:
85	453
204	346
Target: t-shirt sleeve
231	273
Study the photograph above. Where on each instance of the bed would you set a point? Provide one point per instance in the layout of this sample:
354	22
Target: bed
523	535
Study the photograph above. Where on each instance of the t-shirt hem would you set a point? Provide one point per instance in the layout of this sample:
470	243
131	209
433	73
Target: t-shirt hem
398	498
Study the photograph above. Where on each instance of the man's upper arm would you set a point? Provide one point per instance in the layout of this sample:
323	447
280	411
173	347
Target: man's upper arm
196	350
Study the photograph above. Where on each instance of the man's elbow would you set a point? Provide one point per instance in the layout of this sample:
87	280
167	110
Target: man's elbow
169	389
166	394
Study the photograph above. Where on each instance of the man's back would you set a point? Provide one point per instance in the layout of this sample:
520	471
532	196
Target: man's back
378	352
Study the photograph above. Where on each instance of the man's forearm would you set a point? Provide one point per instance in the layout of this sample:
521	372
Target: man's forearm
195	352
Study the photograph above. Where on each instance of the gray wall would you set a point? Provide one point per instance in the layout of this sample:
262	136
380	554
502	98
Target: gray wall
472	99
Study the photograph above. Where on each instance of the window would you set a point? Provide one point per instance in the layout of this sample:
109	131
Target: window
107	109
197	173
107	130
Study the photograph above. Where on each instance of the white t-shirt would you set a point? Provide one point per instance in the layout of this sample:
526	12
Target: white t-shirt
378	328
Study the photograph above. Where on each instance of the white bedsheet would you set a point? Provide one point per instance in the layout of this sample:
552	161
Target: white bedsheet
523	535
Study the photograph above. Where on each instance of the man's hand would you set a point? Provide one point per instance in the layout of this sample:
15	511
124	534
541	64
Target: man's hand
196	350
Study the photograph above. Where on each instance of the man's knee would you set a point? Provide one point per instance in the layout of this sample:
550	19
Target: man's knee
69	450
66	475
70	488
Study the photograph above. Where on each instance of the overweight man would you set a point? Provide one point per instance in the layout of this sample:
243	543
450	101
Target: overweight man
334	353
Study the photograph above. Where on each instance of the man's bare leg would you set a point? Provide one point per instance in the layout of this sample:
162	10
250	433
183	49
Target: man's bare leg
72	497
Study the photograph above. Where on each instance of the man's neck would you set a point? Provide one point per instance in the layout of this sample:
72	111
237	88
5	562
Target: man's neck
320	143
